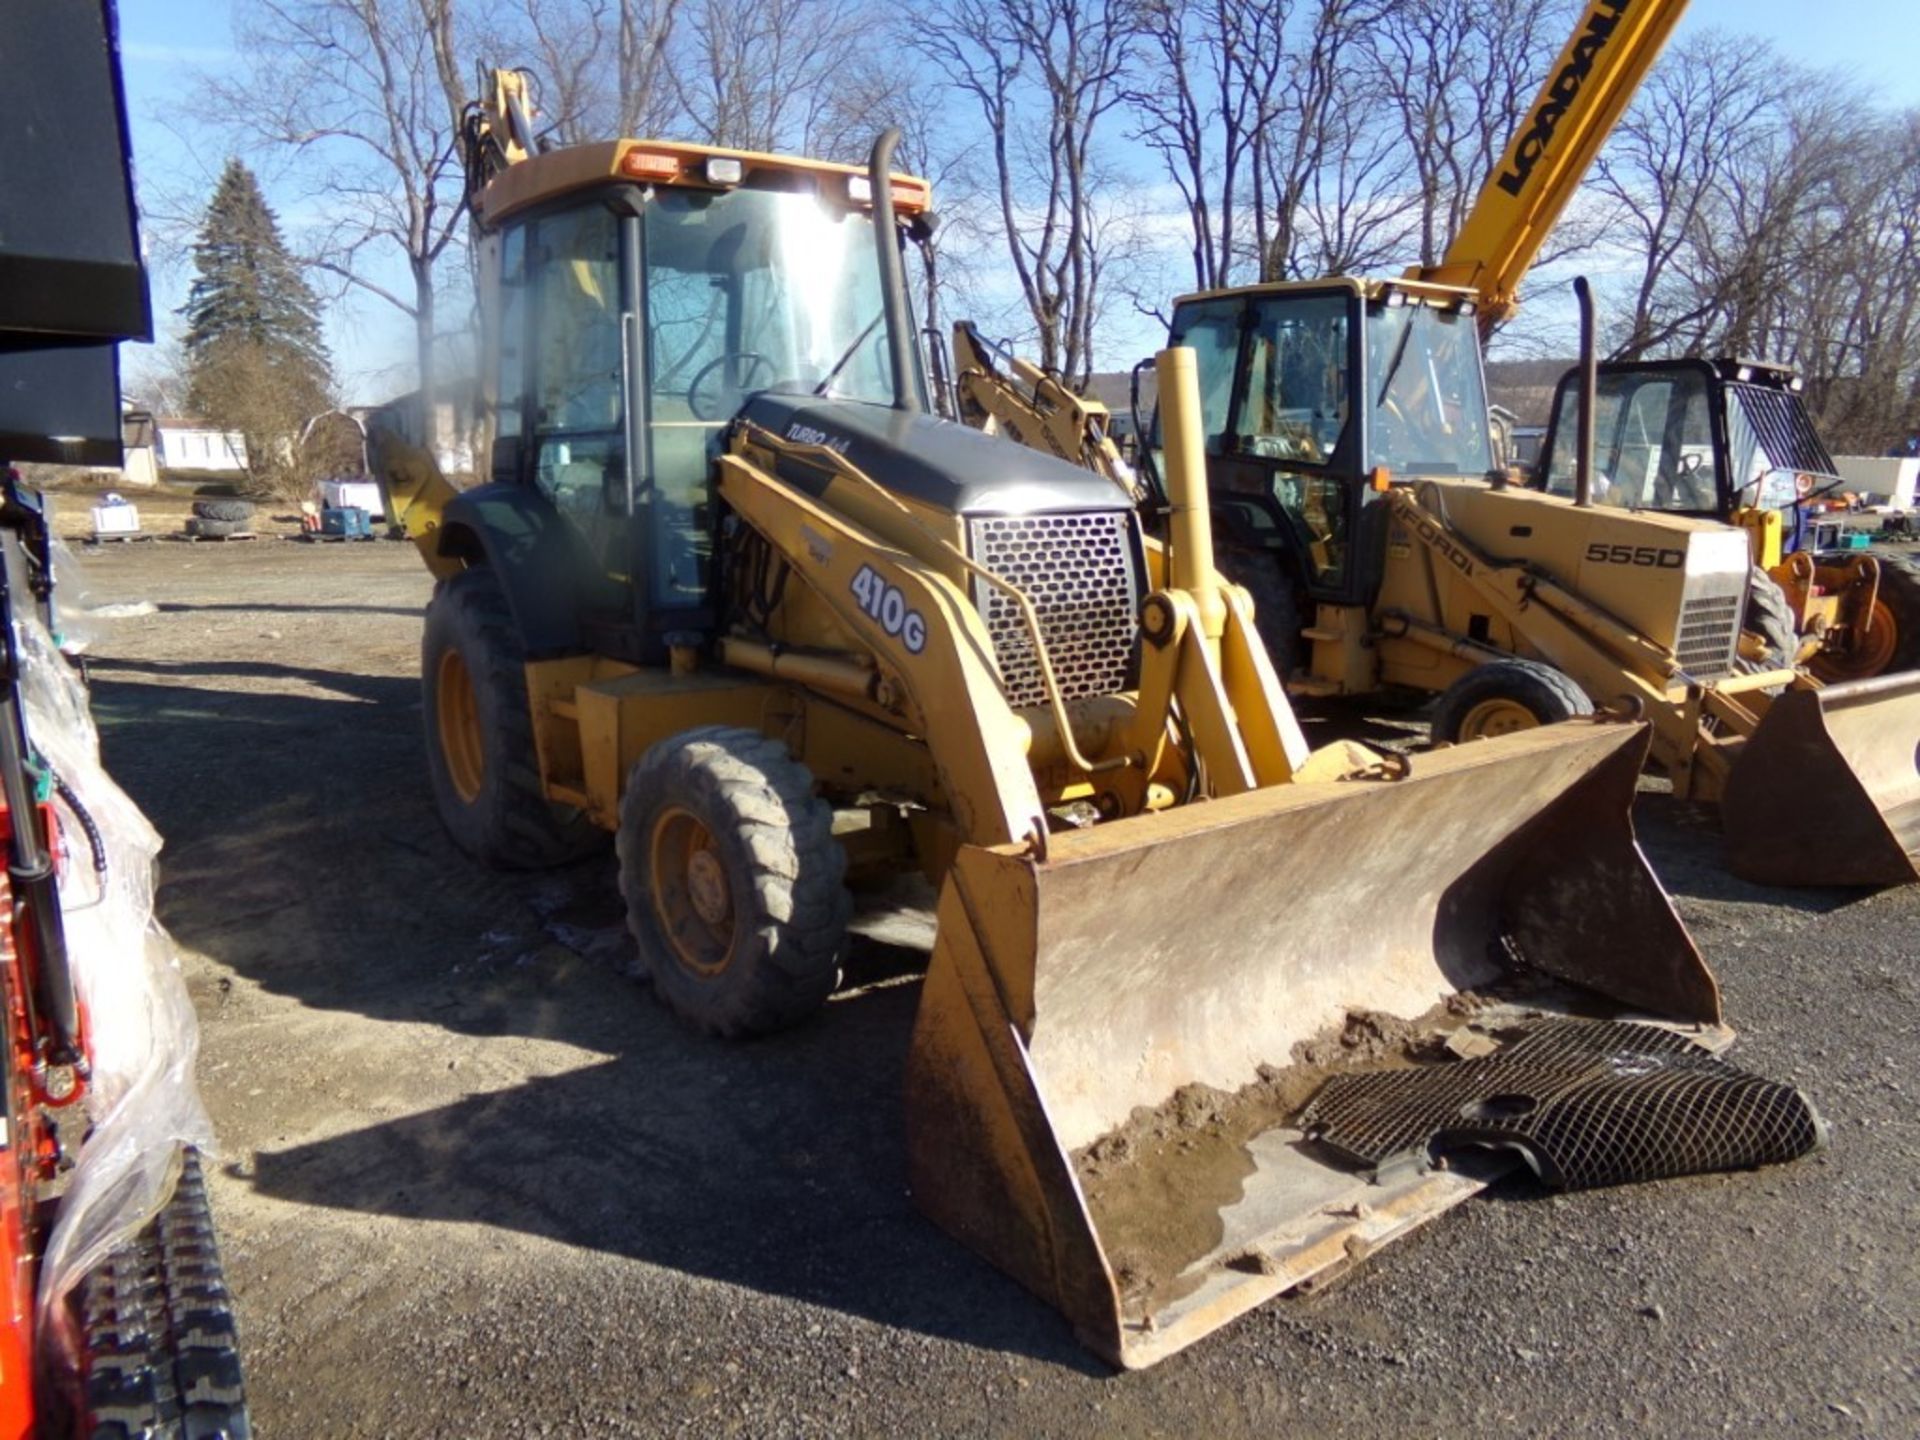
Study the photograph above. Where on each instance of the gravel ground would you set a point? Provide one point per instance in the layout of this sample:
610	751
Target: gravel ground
473	1183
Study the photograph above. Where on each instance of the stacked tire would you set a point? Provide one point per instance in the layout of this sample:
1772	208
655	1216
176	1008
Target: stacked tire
220	519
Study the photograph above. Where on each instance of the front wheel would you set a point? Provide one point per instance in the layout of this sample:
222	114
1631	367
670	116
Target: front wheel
1505	696
733	881
1892	641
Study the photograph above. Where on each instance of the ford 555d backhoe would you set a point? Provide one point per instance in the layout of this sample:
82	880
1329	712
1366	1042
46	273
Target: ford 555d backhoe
730	594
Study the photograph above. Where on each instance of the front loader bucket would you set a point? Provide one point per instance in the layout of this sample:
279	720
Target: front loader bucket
1222	945
1827	790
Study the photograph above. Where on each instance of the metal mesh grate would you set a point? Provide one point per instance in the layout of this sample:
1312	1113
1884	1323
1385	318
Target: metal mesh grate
1587	1103
1078	570
1709	633
1786	431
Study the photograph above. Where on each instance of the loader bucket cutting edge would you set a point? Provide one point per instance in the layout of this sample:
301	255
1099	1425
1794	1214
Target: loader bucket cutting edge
1827	790
1197	945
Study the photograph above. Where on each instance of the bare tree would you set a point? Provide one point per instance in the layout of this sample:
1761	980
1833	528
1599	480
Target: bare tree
1267	117
1206	88
1775	213
767	74
1458	75
363	98
1697	119
158	378
602	67
1042	75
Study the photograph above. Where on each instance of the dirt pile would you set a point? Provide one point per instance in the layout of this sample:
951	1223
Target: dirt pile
1156	1186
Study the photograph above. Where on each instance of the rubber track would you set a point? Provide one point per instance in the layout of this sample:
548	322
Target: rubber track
161	1359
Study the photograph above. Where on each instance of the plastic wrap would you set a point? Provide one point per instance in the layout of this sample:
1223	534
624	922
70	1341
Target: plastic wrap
142	1036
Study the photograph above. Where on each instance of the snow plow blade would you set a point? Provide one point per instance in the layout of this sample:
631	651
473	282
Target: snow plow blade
1827	789
1218	945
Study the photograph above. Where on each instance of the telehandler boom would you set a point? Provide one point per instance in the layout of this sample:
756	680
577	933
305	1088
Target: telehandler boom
733	595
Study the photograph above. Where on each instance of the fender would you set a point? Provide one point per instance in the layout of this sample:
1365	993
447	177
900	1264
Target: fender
544	564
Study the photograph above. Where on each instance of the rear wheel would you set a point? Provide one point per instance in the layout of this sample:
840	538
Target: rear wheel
1276	604
480	750
733	881
1505	696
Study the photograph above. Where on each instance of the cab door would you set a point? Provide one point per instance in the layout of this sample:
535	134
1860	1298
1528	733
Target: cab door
576	409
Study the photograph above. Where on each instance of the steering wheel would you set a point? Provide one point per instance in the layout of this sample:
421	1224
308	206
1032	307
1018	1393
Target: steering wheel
726	398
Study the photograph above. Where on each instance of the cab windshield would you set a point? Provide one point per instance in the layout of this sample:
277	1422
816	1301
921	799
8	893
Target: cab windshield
1426	395
751	290
1652	442
746	291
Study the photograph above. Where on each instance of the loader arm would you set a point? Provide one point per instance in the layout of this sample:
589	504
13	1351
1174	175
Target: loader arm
932	658
1613	46
996	389
416	496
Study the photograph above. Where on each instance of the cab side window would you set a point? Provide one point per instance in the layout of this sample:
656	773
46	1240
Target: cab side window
573	274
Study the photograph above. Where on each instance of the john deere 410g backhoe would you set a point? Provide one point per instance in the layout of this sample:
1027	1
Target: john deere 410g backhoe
729	593
1355	492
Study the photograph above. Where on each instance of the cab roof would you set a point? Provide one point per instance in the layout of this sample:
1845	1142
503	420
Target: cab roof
544	177
1426	290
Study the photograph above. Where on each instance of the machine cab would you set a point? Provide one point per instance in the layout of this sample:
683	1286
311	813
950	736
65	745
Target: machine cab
1691	437
638	313
1314	395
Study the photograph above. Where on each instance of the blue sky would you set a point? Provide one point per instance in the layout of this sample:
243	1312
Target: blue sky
165	42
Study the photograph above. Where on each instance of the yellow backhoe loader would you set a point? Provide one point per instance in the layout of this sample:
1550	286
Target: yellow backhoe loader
1356	496
730	593
1731	440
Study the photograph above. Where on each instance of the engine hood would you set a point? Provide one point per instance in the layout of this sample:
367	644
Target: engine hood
937	462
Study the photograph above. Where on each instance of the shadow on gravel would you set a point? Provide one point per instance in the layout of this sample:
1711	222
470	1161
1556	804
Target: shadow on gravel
303	852
777	1166
264	608
1684	842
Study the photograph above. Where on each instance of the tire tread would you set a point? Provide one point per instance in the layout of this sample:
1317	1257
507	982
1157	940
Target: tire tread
748	785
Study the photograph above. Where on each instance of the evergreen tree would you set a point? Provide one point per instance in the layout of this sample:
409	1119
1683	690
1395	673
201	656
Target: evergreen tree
255	358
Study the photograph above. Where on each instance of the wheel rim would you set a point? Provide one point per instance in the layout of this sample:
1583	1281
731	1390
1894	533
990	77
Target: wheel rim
462	743
692	895
1869	654
1498	716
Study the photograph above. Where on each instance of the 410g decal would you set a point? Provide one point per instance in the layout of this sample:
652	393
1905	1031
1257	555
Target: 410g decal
886	604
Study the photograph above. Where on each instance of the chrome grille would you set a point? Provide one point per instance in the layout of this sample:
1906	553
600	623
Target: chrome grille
1079	571
1709	634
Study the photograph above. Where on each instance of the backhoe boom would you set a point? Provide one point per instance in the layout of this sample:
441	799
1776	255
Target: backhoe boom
1609	54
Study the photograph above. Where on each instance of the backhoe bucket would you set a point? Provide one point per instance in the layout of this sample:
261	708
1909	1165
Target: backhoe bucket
1827	789
1259	941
